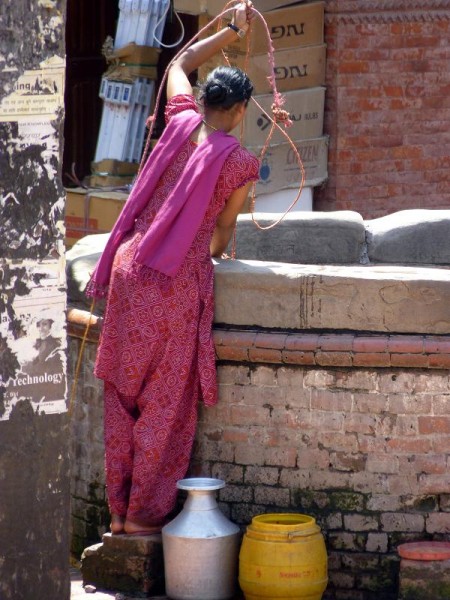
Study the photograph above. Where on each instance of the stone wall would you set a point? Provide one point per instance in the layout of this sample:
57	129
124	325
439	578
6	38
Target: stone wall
387	109
334	389
364	451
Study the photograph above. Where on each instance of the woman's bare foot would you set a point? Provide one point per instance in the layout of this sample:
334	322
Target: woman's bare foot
135	529
117	524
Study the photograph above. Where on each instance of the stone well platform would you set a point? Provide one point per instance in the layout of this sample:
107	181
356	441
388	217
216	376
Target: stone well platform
332	297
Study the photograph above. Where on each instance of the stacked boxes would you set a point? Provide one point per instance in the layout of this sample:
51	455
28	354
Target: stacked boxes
297	33
127	89
89	212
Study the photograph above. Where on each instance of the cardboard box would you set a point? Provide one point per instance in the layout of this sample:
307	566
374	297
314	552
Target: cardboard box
110	181
131	61
279	202
291	27
235	60
305	107
190	7
280	170
111	166
215	7
295	69
94	212
129	73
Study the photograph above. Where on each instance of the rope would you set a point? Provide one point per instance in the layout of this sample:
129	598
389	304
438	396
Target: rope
80	356
163	16
278	113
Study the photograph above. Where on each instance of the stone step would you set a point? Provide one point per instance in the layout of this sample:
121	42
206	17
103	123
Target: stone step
132	566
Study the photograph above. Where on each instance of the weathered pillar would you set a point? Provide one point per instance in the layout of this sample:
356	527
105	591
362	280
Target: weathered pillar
34	425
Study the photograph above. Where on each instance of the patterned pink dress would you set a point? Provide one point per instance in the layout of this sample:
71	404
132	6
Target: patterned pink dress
156	353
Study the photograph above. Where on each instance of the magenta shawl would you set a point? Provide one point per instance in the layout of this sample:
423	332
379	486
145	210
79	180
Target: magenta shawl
168	239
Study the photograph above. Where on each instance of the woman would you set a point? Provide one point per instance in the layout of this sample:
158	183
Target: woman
156	353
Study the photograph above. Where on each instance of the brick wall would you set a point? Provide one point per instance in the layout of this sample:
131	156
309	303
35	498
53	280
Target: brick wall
343	427
387	106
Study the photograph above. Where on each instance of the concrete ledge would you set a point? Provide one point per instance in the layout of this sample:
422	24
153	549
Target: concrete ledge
393	299
309	238
358	298
80	262
419	237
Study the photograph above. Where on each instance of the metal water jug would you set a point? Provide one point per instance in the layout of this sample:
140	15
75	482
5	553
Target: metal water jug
201	546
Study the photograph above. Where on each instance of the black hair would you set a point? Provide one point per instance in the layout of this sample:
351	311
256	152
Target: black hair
224	87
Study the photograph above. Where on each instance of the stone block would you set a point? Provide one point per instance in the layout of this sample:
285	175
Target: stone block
332	297
306	238
416	236
124	563
80	262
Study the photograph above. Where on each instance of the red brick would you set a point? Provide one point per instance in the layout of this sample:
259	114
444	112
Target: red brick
336	342
235	435
241	415
303	342
231	353
265	355
430	464
410	360
360	423
372	359
428	425
409	445
234	338
270	340
77	330
439	361
281	457
434	484
441	444
406	344
298	358
437	345
438	523
334	359
372	344
331	401
78	321
354	67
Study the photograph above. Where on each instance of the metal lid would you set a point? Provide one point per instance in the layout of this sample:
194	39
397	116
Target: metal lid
200	483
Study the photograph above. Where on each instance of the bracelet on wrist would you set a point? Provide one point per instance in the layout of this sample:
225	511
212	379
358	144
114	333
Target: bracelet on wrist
239	32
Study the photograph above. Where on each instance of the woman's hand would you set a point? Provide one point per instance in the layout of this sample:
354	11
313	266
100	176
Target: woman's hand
243	15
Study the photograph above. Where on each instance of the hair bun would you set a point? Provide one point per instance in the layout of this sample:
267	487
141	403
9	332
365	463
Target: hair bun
224	87
216	92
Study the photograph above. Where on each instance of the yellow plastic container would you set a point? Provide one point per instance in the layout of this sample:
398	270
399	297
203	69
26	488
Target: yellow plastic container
283	556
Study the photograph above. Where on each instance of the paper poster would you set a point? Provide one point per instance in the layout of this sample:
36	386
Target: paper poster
36	101
36	93
37	344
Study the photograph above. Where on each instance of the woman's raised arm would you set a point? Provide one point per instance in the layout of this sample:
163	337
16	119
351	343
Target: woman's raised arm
197	54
